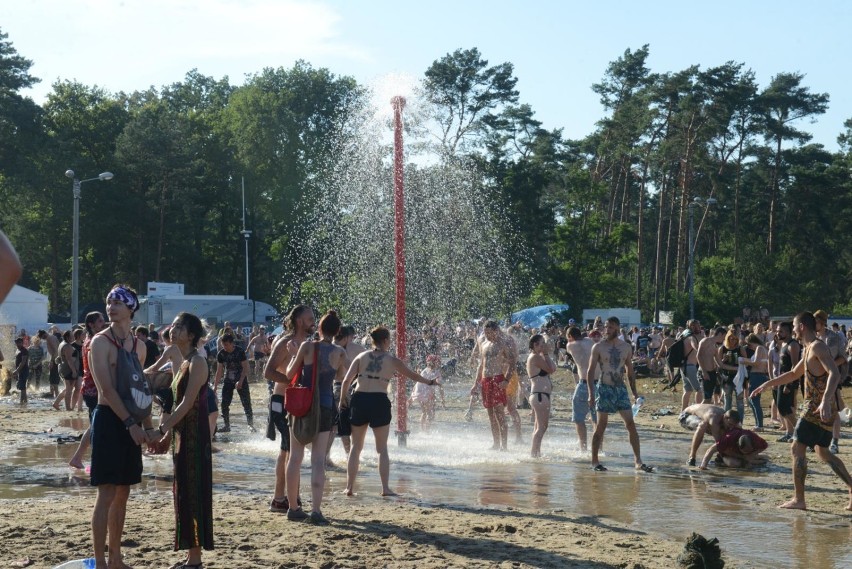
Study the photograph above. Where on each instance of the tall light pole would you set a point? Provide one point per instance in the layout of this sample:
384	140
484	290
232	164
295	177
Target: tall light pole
246	235
697	202
75	254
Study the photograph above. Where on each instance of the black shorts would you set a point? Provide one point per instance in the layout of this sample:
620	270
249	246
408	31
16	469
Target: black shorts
370	408
53	373
784	399
711	383
342	419
23	375
326	419
278	417
811	435
212	405
116	459
166	398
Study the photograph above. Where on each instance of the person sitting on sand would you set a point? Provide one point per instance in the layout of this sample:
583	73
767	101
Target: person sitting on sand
738	448
703	416
370	406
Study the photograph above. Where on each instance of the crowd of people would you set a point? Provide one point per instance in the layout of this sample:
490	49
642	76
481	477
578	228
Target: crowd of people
192	373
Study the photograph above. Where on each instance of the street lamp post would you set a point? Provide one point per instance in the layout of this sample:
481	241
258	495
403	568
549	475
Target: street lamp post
697	202
246	236
75	254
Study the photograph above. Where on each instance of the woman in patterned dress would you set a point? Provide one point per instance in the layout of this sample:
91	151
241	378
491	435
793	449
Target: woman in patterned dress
191	450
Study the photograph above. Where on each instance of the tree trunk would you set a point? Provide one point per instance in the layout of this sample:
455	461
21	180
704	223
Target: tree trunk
773	198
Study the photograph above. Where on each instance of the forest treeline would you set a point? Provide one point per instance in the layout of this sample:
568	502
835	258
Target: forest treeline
600	221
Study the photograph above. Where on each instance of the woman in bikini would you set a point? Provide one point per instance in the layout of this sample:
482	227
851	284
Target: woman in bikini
539	368
370	406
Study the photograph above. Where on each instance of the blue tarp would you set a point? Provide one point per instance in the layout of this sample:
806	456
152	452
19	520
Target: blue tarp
537	316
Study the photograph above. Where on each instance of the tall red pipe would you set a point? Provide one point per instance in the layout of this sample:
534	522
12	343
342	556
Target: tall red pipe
399	254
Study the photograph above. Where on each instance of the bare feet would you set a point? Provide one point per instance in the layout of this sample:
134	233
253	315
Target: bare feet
849	507
388	492
348	492
793	505
55	406
76	463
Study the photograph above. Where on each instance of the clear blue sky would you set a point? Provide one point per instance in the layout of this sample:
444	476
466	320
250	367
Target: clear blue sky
559	49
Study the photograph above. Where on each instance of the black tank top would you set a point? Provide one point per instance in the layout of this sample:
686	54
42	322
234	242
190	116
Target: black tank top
786	357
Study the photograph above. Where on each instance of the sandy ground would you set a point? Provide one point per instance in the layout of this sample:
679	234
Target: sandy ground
392	532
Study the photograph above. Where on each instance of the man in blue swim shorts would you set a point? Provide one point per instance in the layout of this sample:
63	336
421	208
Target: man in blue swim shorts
580	349
614	356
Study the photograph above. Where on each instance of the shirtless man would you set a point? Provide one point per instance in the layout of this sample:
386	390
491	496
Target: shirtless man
116	435
836	343
689	372
300	324
814	426
702	417
257	350
614	356
708	365
496	363
580	349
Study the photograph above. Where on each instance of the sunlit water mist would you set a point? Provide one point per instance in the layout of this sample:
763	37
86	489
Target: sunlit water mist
455	233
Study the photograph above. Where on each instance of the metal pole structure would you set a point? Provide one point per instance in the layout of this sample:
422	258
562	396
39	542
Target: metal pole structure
399	255
692	207
75	246
245	235
75	254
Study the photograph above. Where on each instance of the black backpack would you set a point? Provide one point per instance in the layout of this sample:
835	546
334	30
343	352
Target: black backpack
676	354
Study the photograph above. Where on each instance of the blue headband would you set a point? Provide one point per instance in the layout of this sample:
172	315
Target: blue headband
124	295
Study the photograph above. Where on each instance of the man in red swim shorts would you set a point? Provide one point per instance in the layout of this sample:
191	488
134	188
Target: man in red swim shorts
495	361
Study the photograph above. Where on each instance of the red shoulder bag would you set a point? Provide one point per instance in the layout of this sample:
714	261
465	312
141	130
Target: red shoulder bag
298	399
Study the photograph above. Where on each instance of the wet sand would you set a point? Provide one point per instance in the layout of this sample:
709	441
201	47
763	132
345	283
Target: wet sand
368	531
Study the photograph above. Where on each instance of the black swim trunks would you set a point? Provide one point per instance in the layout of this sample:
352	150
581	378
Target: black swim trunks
811	435
342	419
116	459
279	419
326	419
370	408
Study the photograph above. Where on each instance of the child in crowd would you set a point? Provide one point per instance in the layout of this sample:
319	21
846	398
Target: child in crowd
425	394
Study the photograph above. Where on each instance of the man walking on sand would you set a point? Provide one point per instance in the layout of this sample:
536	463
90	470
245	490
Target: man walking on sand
495	365
614	356
116	435
707	363
819	410
299	324
580	349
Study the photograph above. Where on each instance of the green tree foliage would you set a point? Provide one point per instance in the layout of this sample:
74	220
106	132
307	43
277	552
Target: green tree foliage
603	220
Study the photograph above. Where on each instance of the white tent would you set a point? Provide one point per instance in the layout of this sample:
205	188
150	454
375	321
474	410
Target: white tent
24	308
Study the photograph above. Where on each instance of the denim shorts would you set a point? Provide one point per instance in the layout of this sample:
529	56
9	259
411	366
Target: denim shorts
580	404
